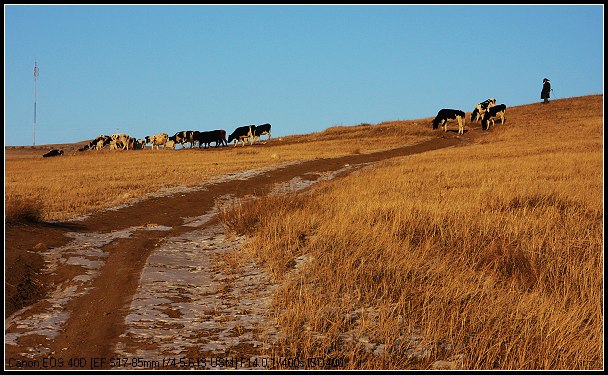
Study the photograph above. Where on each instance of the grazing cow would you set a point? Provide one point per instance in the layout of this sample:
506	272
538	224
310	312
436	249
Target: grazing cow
481	108
157	140
240	134
102	142
173	139
170	144
218	136
53	152
474	114
185	136
121	140
193	136
491	113
115	144
97	143
260	130
140	144
179	137
447	114
131	143
221	139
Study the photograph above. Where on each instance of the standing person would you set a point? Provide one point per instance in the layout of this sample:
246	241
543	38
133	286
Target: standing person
545	93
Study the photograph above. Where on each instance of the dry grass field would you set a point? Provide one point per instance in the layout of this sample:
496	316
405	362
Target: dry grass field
488	256
79	183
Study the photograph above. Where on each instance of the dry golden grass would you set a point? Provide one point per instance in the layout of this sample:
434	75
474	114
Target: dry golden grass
488	256
82	183
22	210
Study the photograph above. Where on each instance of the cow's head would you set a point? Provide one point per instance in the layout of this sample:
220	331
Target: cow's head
474	114
435	123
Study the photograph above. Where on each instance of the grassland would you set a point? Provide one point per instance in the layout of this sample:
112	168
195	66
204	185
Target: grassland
488	256
84	182
485	256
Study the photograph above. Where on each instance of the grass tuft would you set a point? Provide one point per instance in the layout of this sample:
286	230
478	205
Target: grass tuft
22	210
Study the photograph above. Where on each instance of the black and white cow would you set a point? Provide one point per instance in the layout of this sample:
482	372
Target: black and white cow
481	108
53	153
185	136
179	138
493	112
97	143
120	141
217	136
260	130
449	114
242	133
173	140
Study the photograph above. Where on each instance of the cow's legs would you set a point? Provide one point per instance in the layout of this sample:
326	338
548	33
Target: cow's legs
460	125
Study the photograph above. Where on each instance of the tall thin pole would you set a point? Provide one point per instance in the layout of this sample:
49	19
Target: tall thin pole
35	78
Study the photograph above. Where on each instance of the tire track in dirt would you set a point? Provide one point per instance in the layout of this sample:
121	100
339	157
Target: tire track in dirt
152	279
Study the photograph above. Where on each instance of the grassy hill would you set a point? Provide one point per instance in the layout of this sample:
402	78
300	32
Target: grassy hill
486	256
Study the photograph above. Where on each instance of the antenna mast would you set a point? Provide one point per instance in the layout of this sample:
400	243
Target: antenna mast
35	77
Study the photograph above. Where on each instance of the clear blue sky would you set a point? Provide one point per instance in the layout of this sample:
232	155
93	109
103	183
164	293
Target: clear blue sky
149	69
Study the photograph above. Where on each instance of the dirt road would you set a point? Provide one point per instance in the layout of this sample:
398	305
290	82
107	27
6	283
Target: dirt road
153	285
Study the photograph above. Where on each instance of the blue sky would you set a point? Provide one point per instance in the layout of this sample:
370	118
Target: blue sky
147	69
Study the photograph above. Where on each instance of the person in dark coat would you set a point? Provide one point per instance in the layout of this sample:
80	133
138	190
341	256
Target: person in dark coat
545	93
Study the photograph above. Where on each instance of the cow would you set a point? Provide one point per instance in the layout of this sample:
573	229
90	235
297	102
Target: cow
96	143
116	144
481	108
179	137
121	140
447	114
140	144
218	136
53	152
221	139
493	112
102	142
240	134
173	139
260	130
157	140
185	136
170	144
131	143
193	136
474	114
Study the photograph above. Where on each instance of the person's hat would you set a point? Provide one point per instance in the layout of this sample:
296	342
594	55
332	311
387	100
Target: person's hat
545	80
